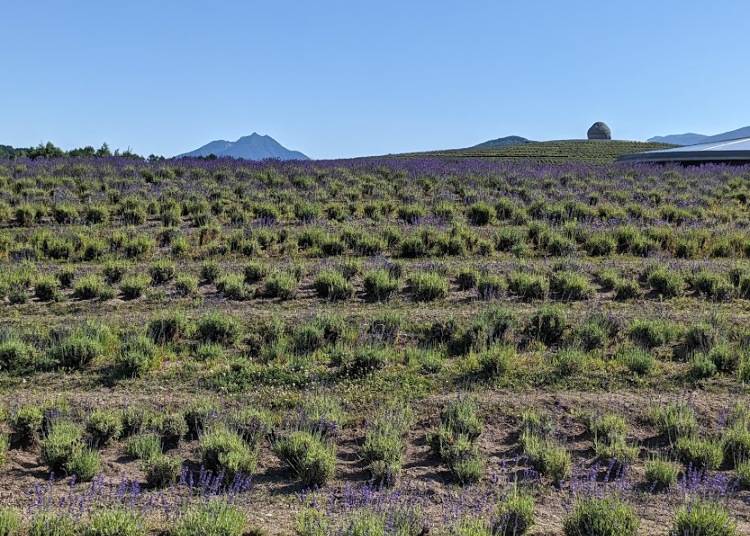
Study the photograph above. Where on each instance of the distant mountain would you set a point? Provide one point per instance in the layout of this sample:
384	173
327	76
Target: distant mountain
692	138
252	147
689	138
502	142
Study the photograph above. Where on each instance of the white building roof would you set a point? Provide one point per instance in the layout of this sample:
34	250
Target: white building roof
721	151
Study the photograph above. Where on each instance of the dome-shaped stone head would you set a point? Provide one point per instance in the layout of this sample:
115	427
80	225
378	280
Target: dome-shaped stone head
599	131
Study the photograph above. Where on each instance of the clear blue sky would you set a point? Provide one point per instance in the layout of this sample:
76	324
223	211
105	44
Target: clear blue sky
348	78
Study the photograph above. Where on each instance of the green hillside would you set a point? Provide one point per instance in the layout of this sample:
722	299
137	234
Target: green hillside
586	150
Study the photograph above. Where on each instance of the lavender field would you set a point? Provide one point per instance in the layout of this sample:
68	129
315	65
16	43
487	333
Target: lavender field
402	346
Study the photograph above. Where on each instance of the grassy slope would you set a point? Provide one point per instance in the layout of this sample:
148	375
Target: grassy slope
585	150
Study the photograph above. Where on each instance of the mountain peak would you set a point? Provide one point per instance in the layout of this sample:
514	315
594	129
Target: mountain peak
502	142
692	138
252	147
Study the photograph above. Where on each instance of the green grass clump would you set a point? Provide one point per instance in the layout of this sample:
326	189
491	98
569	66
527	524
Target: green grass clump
365	522
637	360
701	367
85	463
138	356
428	286
661	474
26	425
186	284
570	362
210	271
666	283
496	360
703	518
252	424
89	287
25	215
601	517
308	337
736	444
471	526
214	518
162	271
15	355
546	456
699	453
467	279
550	459
608	278
103	426
510	239
359	362
77	350
223	450
466	465
321	415
380	285
114	271
528	287
255	272
311	458
411	213
161	470
333	286
627	289
461	415
132	286
114	521
312	522
171	428
233	287
725	357
514	515
616	450
742	471
455	440
209	352
143	446
600	245
10	522
4	446
218	327
45	523
699	338
595	332
47	288
480	214
608	427
62	441
651	333
412	247
167	327
134	420
494	325
674	420
547	324
385	443
712	286
281	285
571	286
490	287
198	414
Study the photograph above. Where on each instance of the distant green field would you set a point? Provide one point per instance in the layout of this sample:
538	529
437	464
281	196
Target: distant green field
586	150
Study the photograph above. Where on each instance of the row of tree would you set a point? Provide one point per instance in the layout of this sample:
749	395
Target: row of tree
50	150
